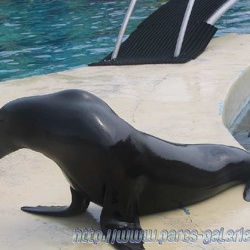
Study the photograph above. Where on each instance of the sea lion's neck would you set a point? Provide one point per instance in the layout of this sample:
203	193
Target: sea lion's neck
8	141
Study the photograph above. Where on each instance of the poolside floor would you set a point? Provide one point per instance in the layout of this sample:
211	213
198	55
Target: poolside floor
191	103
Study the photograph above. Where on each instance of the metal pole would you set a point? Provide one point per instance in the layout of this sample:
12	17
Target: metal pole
123	28
183	28
225	7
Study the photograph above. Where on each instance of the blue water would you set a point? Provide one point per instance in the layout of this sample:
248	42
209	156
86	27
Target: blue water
45	36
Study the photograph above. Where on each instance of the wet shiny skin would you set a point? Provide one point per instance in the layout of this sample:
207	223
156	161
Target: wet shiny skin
110	163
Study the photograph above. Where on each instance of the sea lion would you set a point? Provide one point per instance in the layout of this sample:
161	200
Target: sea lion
110	163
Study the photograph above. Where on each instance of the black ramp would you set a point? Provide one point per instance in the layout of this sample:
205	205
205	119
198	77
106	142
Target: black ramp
154	40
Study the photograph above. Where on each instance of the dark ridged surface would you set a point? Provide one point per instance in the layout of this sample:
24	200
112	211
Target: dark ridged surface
155	38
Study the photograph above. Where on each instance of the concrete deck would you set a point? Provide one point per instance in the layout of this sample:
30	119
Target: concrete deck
182	103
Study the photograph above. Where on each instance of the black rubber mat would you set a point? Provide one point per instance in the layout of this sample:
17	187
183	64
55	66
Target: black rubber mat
154	40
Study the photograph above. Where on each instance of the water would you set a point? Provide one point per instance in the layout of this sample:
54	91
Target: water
45	36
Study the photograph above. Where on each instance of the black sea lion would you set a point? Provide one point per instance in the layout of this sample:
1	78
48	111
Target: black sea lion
112	164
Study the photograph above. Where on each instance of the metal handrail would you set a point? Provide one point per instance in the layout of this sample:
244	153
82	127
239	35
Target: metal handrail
225	7
212	20
183	28
123	28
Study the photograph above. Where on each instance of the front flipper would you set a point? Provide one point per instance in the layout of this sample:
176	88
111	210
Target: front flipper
246	193
120	222
78	205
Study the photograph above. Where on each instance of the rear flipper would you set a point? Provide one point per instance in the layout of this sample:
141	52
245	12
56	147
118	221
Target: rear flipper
78	205
246	193
120	223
